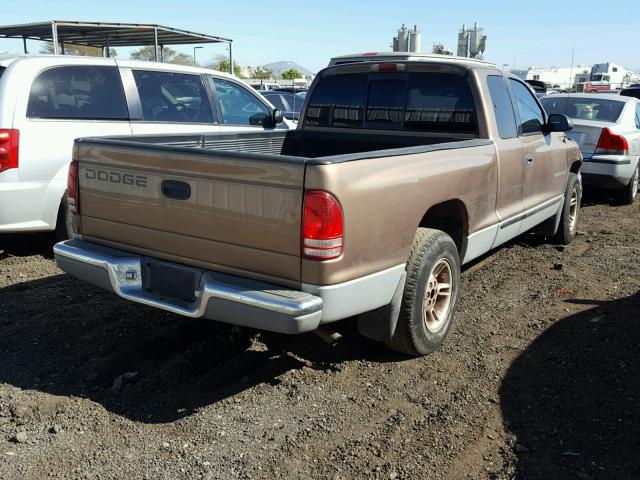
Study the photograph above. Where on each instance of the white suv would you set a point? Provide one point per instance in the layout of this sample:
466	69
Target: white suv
47	101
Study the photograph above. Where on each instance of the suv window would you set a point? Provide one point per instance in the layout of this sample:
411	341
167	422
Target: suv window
435	102
502	106
172	97
82	92
238	106
531	115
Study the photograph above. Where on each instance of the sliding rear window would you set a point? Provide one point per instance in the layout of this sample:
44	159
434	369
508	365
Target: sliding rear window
435	102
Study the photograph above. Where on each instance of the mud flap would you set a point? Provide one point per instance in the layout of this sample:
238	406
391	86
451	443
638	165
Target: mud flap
380	324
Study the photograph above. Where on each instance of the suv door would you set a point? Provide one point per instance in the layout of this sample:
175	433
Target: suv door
239	109
545	158
169	102
63	103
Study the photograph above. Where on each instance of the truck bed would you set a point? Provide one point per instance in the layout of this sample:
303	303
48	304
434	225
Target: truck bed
315	147
240	207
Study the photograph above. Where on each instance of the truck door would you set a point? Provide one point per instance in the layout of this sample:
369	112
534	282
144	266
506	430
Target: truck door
544	159
509	206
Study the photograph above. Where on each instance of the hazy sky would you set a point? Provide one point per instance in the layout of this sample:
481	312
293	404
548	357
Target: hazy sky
528	32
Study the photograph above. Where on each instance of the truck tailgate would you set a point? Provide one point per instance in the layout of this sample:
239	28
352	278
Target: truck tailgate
216	210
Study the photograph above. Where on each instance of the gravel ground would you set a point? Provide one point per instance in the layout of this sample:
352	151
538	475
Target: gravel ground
539	378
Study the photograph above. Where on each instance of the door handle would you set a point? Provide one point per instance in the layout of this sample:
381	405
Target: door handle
528	159
175	189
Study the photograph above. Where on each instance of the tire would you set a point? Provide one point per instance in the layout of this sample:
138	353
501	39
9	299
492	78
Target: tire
570	211
433	263
64	228
628	194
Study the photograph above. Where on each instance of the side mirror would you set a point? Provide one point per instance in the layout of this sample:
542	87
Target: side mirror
277	117
558	123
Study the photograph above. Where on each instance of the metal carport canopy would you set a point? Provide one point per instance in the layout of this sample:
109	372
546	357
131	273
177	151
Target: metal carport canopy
105	35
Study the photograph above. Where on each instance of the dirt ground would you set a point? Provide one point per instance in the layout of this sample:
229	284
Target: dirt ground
539	379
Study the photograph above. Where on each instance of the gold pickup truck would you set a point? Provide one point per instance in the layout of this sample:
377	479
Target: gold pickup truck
400	171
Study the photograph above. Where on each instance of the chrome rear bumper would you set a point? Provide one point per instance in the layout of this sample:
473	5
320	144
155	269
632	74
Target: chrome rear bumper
218	296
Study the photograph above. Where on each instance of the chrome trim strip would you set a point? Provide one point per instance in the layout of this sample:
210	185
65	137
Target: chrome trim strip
121	265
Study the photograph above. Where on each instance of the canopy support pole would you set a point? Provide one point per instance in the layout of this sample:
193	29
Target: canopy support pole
54	34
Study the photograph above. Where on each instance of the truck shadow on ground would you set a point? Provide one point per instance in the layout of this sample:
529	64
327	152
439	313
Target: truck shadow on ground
24	245
572	397
63	337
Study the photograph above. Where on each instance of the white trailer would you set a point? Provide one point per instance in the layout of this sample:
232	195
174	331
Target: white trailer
562	79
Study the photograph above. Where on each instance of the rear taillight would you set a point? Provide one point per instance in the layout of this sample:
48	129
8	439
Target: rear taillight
611	144
9	142
322	226
72	187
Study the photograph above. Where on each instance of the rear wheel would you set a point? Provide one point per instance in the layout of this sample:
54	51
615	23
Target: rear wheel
628	193
64	229
430	294
570	211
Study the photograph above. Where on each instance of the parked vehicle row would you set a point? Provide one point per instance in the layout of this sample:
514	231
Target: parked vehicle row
400	171
289	103
48	101
607	129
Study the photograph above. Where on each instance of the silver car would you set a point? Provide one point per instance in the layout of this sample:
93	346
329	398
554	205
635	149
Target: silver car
607	128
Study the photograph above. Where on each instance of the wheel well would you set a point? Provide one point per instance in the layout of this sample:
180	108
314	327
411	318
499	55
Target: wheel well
450	217
575	166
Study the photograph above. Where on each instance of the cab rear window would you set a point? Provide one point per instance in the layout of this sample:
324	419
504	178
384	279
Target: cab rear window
437	102
78	92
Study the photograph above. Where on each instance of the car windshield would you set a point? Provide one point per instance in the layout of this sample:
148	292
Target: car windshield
580	108
2	69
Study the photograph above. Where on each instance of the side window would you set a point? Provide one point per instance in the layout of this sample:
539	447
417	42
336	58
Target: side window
80	92
278	102
238	106
638	115
531	116
172	97
502	107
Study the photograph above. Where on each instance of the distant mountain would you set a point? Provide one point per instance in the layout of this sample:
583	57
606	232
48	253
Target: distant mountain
278	67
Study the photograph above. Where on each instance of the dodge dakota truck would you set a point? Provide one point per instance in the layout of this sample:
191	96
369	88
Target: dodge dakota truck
400	170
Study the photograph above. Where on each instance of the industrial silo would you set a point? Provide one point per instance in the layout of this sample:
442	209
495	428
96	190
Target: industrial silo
403	39
414	40
463	42
474	40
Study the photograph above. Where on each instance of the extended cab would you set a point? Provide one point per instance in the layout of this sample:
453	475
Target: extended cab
399	172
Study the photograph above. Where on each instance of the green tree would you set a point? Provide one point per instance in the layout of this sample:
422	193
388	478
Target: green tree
169	55
82	50
262	73
221	63
291	74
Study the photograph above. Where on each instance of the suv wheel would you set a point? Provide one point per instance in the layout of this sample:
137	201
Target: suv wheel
430	294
